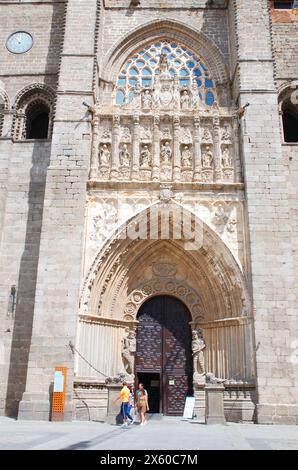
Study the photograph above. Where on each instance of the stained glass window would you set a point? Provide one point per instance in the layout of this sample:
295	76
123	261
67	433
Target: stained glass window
141	68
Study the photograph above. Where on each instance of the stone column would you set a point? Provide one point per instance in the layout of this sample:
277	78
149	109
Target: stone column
216	149
155	149
95	147
197	150
136	147
176	150
115	147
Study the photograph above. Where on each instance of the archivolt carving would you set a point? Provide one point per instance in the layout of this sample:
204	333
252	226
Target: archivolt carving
168	287
120	278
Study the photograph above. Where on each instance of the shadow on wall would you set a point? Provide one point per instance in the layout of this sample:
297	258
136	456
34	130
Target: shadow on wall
26	286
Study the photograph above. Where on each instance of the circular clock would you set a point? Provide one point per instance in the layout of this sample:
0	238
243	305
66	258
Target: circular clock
19	42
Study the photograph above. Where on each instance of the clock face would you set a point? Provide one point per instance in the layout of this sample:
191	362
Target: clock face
19	42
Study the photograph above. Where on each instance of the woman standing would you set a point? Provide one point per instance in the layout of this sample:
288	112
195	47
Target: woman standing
142	402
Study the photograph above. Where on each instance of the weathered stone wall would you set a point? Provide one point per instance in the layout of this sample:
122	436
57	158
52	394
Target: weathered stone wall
269	221
58	278
118	24
22	174
22	220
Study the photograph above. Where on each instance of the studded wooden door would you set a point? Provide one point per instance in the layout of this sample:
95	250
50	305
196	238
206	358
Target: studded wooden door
164	347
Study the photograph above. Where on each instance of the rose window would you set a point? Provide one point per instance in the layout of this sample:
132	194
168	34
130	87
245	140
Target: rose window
184	65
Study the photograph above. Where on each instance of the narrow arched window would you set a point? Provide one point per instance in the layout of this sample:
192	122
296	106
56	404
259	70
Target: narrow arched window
290	121
33	118
37	120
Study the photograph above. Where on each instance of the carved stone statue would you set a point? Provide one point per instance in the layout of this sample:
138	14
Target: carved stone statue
207	158
146	99
198	346
145	157
226	160
185	100
211	379
124	156
163	63
186	156
105	155
166	153
128	349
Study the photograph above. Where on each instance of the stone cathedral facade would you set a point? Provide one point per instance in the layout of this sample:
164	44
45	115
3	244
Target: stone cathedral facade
148	204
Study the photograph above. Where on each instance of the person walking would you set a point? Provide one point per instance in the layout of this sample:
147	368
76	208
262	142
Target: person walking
142	402
125	397
131	401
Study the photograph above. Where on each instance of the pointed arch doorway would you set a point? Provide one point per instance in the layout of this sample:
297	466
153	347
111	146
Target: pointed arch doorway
163	361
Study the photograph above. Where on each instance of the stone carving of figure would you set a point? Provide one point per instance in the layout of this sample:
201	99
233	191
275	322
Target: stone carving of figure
226	159
185	100
128	349
105	155
124	156
145	134
198	346
163	63
166	153
147	99
220	216
211	379
145	157
207	158
186	156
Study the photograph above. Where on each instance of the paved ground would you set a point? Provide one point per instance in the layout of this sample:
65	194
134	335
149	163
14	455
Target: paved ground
159	434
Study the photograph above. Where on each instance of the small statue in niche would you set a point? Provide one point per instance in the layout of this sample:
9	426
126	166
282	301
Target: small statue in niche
166	152
226	160
128	349
145	157
124	156
220	216
146	99
105	155
198	345
185	100
207	158
163	63
186	156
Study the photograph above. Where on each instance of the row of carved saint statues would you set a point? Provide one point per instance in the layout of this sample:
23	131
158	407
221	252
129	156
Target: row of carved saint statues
166	154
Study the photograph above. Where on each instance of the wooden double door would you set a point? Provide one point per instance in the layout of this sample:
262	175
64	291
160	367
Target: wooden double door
163	357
